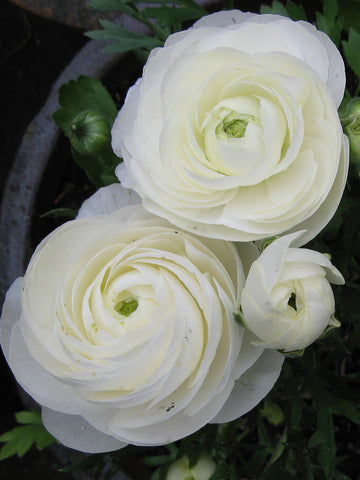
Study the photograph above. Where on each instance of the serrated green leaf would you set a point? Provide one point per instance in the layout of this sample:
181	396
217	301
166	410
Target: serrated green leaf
277	8
127	45
126	40
329	22
291	9
351	51
296	12
20	439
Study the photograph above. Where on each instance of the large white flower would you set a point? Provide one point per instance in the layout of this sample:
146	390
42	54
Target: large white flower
123	330
233	131
287	301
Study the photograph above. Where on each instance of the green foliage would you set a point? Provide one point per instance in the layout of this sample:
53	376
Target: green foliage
161	18
19	440
350	10
329	21
291	9
82	95
351	51
125	40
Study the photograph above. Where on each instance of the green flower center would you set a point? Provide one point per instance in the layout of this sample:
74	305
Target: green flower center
126	307
234	125
235	128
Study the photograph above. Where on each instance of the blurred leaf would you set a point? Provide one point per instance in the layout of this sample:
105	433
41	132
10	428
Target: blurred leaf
296	12
84	465
273	413
350	10
277	8
28	417
324	439
291	9
351	51
221	472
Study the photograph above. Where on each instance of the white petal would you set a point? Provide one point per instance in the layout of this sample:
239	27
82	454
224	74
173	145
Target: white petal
251	387
107	200
11	314
75	432
314	224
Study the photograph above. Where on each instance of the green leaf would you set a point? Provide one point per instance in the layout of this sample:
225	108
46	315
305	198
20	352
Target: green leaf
126	40
116	5
100	168
324	439
60	213
350	10
273	413
329	22
351	51
19	440
172	16
277	8
221	472
296	12
28	417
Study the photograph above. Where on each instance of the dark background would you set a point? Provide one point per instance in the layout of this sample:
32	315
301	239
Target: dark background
33	52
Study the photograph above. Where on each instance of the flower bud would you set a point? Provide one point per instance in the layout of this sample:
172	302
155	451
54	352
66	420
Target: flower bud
287	301
89	132
181	470
350	119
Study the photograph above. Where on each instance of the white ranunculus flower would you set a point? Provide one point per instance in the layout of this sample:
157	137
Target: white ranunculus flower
232	132
287	301
123	330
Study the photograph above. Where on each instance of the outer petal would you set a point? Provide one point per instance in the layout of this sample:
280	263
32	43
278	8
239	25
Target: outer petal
314	224
336	71
75	432
11	314
252	387
108	199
